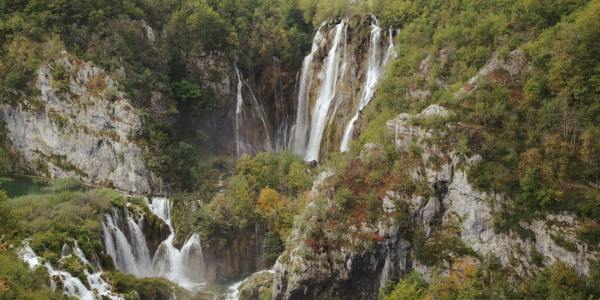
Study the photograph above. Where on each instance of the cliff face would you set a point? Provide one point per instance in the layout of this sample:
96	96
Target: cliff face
241	254
455	210
451	220
80	125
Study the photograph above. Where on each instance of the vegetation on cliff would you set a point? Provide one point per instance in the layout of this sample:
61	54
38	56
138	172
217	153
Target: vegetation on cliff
536	130
535	126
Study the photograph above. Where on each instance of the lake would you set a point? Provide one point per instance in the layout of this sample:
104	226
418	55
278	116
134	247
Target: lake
21	186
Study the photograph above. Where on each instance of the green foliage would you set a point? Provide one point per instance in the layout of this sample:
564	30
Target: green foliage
18	282
187	92
6	214
444	245
298	179
284	172
273	248
536	130
557	282
410	288
488	281
7	158
56	218
145	288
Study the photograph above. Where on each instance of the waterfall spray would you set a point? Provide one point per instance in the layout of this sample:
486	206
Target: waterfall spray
184	266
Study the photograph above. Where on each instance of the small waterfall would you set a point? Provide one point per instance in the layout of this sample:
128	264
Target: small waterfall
239	110
391	50
281	117
132	258
183	266
243	144
131	255
375	66
233	291
326	94
96	287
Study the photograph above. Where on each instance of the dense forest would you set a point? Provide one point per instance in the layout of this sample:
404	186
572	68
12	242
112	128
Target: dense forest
535	132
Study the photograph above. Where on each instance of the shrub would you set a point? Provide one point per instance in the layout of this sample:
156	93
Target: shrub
111	93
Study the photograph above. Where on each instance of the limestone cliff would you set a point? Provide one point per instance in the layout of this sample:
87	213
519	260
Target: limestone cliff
454	209
424	230
81	124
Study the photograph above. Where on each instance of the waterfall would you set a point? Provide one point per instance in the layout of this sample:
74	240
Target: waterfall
336	83
239	146
243	144
302	118
233	291
172	263
117	244
72	286
391	50
131	255
375	65
134	257
281	117
326	94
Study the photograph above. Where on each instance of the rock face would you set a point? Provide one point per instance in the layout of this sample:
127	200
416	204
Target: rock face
81	125
353	273
228	259
257	286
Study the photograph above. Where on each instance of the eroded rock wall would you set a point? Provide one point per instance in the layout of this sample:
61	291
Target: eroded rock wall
80	125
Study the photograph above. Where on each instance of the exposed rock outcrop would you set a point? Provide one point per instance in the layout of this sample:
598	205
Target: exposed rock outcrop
454	209
257	286
80	125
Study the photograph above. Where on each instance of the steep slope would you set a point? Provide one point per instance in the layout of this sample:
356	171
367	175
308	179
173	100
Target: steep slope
81	125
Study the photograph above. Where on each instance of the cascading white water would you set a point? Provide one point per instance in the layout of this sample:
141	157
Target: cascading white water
96	288
185	266
391	50
325	95
233	291
239	145
132	258
331	86
281	133
300	134
375	65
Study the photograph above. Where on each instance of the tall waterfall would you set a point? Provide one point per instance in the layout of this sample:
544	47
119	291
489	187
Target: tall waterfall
326	94
242	142
337	82
240	147
302	117
126	244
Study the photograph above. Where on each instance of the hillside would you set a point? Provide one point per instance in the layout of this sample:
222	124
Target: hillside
371	149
